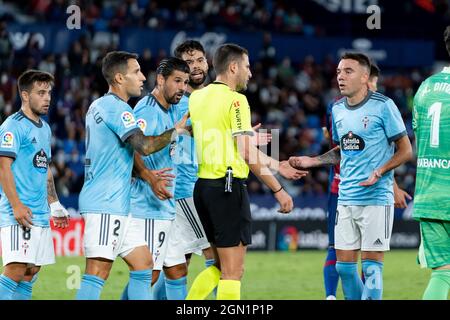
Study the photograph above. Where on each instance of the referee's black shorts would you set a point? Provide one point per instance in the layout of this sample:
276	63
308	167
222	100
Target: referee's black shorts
225	216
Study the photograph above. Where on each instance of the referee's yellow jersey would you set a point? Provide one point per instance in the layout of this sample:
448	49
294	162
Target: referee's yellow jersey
218	114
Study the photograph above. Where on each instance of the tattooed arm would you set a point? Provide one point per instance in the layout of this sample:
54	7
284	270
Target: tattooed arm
51	190
146	145
59	214
329	158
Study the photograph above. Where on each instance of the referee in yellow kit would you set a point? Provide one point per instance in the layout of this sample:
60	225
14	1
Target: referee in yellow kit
221	125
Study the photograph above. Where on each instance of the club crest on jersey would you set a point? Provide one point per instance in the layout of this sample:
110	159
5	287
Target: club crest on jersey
7	140
352	144
128	119
365	121
142	124
40	161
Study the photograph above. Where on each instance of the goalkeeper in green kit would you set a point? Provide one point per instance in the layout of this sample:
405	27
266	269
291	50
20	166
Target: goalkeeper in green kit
431	123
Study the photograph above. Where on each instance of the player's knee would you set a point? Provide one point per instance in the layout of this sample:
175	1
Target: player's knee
98	272
147	262
176	272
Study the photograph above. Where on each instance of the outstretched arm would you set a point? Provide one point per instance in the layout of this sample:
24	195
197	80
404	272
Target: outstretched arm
329	158
146	145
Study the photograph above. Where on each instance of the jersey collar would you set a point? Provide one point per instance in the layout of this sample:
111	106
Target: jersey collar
218	82
114	95
37	124
446	70
359	105
160	105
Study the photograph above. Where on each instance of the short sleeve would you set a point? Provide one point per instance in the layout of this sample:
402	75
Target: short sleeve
240	116
10	139
393	122
120	119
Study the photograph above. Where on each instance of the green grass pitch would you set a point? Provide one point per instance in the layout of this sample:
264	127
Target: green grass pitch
268	276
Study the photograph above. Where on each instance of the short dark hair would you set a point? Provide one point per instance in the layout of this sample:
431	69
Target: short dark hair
447	39
29	77
374	70
187	46
360	57
167	66
225	54
116	62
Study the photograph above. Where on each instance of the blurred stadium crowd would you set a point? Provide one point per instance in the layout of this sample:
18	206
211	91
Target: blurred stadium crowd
288	95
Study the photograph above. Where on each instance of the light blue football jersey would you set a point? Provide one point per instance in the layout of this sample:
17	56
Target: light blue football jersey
29	144
185	156
366	134
109	160
153	119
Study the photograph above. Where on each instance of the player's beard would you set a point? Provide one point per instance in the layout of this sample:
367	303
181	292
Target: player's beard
39	111
195	84
174	99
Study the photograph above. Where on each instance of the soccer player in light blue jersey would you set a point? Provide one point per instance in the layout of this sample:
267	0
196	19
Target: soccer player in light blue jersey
27	189
188	222
372	141
331	277
112	135
155	113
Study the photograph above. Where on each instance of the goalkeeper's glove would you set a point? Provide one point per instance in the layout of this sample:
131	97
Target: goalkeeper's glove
58	211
